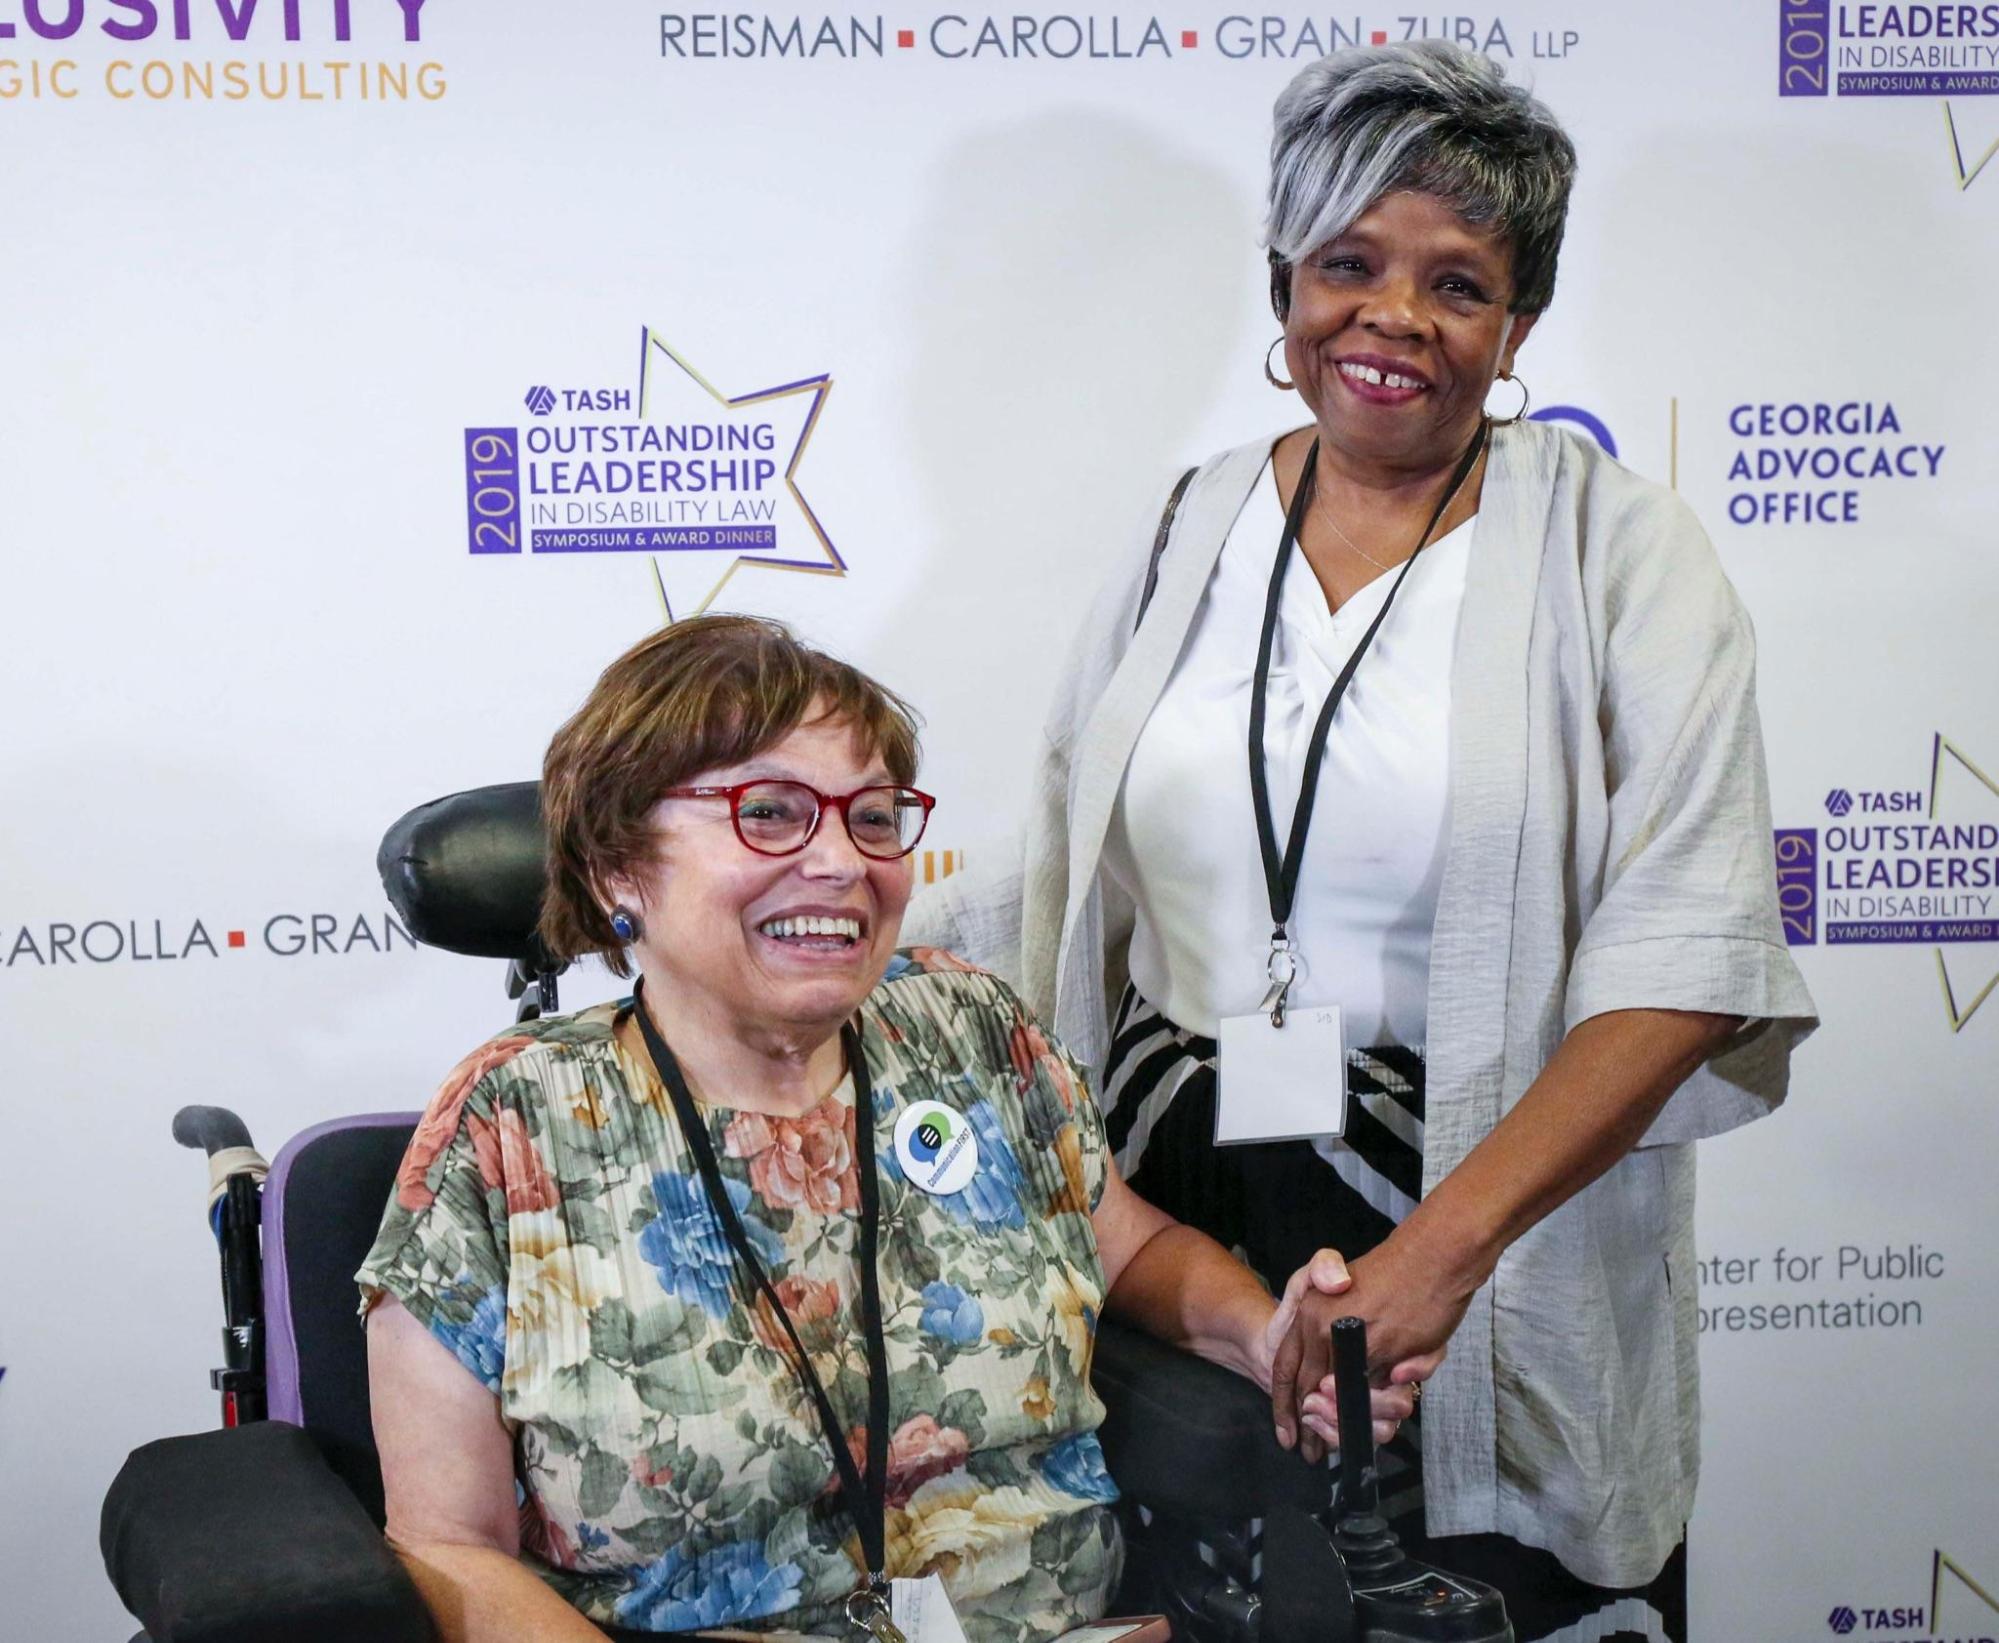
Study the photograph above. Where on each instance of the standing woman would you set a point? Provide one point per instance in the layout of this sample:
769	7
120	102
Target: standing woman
1448	723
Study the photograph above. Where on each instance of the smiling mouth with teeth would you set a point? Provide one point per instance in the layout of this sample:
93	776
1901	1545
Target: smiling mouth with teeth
1380	379
818	932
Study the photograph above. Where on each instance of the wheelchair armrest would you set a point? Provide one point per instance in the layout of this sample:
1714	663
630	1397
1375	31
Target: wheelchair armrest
1189	1438
245	1535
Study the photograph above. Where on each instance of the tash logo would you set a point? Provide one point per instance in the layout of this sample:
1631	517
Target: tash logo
665	464
1902	866
1843	1620
1915	1623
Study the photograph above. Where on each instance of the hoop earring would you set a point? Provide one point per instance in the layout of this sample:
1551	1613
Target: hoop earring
626	925
1525	399
1271	376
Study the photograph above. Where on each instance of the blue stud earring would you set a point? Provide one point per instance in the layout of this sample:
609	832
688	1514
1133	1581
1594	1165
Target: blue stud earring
625	925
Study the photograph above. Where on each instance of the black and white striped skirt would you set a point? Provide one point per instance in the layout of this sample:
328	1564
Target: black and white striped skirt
1276	1203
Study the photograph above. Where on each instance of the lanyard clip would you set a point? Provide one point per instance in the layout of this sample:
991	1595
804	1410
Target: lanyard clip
1282	968
868	1609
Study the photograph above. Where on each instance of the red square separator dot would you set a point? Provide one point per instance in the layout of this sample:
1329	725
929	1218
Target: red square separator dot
905	38
1380	37
1190	38
235	938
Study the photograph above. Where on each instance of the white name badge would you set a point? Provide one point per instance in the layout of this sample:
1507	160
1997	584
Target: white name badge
922	1611
936	1147
1284	1083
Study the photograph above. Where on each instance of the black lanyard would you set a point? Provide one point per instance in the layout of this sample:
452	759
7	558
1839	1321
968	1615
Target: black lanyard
1280	875
865	1498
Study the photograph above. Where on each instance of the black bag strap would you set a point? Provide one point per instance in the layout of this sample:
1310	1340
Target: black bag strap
1159	544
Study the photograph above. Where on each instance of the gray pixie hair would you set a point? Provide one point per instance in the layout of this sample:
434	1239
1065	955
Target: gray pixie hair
1422	116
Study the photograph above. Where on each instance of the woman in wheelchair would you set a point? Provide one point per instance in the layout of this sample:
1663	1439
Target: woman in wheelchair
660	1336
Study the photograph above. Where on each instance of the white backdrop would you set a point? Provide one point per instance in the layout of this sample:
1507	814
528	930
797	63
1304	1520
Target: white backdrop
250	314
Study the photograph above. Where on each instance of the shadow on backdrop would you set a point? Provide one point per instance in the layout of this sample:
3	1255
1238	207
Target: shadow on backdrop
1076	290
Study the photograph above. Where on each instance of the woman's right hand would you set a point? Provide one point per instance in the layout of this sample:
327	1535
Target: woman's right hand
1389	1405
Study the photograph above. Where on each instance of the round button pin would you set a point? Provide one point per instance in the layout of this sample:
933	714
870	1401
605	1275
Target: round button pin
936	1147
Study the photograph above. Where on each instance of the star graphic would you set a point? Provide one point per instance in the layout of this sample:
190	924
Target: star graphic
826	561
1942	1563
1943	747
1966	174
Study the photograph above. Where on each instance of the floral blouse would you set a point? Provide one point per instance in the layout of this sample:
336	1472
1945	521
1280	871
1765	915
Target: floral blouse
549	1226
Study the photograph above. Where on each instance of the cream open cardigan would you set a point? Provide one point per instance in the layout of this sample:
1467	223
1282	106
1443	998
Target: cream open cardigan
1610	849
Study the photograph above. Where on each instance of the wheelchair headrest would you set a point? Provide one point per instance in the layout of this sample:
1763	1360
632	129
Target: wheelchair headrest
465	873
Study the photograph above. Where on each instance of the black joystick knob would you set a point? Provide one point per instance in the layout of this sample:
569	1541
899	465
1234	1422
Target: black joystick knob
1396	1599
1340	1576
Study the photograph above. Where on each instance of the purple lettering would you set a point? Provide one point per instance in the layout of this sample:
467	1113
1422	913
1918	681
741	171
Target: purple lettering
235	21
412	29
40	25
148	16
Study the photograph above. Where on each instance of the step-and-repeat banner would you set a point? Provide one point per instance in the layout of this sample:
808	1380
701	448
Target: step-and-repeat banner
375	370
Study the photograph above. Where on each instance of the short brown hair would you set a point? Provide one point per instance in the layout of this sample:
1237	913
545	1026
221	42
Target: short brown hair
702	693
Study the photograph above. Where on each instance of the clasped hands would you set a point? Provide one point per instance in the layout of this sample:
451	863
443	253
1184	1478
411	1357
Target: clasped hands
1410	1317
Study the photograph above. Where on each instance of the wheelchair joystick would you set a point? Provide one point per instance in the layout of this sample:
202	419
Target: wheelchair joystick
1360	1534
1340	1576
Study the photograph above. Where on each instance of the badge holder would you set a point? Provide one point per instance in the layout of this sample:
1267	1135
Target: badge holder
921	1610
1340	1576
1280	1073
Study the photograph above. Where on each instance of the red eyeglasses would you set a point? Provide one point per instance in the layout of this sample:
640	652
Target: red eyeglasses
780	818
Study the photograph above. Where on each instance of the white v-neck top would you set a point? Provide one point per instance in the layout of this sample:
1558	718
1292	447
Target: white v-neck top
1182	839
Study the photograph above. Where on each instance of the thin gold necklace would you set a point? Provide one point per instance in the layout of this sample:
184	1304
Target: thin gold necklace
1320	498
1350	542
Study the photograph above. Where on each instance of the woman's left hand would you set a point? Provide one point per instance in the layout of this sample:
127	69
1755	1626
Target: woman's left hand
1412	1300
1325	1274
1411	1313
1311	1290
